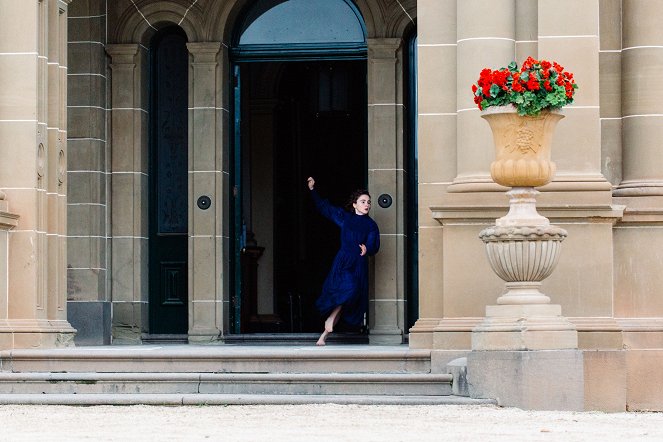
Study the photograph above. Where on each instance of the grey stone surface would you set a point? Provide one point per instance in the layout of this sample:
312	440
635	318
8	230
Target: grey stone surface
458	369
533	380
221	358
92	319
231	399
362	384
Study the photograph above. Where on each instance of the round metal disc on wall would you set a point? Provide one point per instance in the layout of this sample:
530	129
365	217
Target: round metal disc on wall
384	200
204	202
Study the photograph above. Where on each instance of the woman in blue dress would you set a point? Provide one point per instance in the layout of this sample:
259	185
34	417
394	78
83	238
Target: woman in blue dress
345	291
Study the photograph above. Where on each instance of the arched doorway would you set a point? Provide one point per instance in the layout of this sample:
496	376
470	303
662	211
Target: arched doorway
300	109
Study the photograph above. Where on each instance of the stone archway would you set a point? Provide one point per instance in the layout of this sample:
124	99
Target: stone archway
130	136
114	161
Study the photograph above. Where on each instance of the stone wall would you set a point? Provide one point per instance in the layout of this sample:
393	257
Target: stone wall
33	148
88	208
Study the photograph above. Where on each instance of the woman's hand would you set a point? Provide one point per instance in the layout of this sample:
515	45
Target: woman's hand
363	249
311	183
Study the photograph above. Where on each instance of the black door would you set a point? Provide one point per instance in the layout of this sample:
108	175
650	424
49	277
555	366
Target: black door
168	202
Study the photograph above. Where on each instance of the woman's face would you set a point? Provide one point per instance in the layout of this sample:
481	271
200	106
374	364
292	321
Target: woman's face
362	205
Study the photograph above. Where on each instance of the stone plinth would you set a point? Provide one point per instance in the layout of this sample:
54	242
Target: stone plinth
532	380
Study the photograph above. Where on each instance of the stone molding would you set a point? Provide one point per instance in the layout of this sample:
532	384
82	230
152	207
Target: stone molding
204	52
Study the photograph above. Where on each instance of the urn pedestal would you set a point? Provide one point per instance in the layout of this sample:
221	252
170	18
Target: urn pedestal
523	248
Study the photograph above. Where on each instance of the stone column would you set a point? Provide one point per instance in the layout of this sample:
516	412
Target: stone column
638	305
526	30
642	59
129	187
481	43
208	244
385	175
610	77
31	99
436	70
569	34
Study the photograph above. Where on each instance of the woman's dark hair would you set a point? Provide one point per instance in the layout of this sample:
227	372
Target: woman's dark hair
354	196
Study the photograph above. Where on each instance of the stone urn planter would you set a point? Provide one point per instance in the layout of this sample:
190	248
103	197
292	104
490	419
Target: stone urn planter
522	146
522	159
522	247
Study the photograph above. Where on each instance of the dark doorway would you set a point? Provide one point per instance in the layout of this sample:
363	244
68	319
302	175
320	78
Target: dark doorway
298	119
411	168
168	178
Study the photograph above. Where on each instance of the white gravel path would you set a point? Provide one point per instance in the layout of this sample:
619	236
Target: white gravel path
320	423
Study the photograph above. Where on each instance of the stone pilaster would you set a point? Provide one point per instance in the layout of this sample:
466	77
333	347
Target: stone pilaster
208	244
385	175
129	187
32	99
56	183
436	125
88	174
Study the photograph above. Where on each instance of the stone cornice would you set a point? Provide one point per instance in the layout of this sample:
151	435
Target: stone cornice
488	213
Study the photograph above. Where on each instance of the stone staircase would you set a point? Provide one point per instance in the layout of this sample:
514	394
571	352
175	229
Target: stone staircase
224	374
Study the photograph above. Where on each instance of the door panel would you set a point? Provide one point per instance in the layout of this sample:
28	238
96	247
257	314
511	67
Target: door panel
168	183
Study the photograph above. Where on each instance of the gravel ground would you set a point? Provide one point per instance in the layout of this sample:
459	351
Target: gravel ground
320	422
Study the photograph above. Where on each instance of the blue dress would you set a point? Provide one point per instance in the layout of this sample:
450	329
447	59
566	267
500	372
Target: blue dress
347	281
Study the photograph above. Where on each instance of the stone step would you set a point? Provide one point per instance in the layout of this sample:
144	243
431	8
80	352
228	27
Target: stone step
396	384
219	358
232	399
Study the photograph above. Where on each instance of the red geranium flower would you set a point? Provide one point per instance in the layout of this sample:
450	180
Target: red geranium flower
536	86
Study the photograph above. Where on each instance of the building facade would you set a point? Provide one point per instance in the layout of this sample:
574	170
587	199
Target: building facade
155	155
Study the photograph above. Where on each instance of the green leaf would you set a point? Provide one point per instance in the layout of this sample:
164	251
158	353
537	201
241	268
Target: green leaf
494	90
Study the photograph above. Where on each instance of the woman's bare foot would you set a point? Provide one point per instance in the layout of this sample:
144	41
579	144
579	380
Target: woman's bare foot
323	338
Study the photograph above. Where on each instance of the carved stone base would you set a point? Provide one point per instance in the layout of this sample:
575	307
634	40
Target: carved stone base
524	327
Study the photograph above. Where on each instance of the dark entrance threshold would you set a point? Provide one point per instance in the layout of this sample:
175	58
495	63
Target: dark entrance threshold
295	339
165	339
